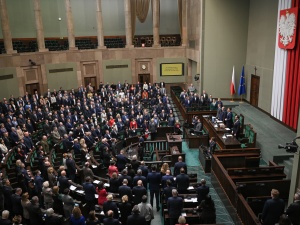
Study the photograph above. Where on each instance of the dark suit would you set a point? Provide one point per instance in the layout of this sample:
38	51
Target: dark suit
202	191
142	178
136	219
154	179
90	191
178	166
228	120
35	214
71	168
236	128
138	192
121	162
63	183
17	208
165	178
272	211
125	190
167	193
293	212
183	182
144	170
110	221
110	205
174	205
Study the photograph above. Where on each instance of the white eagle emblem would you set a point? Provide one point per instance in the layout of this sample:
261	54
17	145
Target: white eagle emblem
287	26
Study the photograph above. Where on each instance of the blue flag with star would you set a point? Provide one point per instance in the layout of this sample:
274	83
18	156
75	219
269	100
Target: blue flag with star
242	86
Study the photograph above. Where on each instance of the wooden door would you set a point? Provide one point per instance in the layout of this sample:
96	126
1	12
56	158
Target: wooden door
31	88
254	91
92	80
144	78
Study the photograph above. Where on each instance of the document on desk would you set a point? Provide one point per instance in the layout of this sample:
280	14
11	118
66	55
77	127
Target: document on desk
188	200
194	200
190	188
106	185
72	188
227	128
96	196
229	135
96	181
80	191
94	166
183	214
216	126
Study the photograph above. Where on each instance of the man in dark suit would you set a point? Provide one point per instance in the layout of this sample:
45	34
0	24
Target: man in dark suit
90	191
154	179
125	190
63	182
178	165
5	218
294	209
167	192
138	192
139	176
110	219
166	177
228	119
121	161
136	218
35	212
71	167
17	208
236	127
273	209
109	205
144	169
175	206
202	191
182	182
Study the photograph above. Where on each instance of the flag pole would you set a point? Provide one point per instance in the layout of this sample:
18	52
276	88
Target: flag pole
241	99
231	99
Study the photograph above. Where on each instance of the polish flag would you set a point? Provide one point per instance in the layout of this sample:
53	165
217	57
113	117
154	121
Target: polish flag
232	85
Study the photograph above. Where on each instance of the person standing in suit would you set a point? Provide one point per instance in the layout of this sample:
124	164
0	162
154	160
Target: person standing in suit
109	205
17	208
68	202
71	167
273	209
154	179
90	191
35	212
138	192
293	211
125	208
183	182
202	191
175	206
228	119
136	218
236	127
212	145
111	219
63	182
125	190
178	165
121	161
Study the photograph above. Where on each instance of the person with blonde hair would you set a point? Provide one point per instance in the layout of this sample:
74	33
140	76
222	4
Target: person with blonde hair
164	168
17	220
181	221
77	218
25	202
125	209
110	205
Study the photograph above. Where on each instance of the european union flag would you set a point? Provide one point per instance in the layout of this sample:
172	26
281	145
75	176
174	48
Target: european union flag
242	87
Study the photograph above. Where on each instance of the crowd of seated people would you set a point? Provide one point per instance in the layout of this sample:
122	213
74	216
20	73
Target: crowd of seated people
189	98
77	120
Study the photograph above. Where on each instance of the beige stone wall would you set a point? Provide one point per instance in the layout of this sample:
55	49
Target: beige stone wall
87	60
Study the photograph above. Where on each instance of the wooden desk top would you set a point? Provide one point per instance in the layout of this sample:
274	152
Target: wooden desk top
217	129
230	141
173	137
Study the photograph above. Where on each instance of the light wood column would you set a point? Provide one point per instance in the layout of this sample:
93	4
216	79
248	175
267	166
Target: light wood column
6	29
70	26
156	22
39	26
128	28
100	33
184	36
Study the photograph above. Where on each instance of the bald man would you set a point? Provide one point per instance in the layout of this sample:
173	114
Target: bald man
138	192
178	165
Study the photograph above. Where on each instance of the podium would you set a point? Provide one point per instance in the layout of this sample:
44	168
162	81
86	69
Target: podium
174	140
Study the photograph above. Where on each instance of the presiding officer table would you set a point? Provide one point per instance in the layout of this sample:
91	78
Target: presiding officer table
223	136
